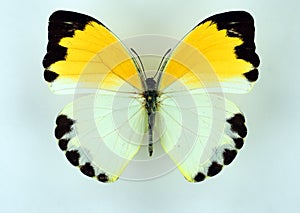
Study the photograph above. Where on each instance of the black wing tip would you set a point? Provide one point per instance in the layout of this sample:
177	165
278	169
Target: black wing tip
70	16
60	15
238	15
230	16
238	24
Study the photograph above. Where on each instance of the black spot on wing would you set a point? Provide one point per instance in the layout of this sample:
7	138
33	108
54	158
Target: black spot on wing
214	169
63	144
102	177
50	76
199	177
55	53
238	24
229	156
73	157
64	125
238	124
239	142
88	170
252	75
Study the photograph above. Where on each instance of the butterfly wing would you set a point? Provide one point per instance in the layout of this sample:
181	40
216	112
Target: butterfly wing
99	133
219	52
83	53
203	131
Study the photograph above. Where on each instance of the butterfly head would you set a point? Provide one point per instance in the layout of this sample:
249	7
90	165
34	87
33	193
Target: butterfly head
151	84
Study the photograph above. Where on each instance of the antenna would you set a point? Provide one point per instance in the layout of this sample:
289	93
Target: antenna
162	60
141	66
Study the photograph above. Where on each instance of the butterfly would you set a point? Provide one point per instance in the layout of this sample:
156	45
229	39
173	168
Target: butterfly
122	109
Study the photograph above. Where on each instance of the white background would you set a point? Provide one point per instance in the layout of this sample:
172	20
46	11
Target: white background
36	177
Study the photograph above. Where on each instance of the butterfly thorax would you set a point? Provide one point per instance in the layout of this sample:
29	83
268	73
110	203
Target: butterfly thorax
150	96
150	101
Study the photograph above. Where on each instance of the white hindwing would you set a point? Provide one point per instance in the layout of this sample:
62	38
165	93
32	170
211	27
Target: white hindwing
201	132
101	133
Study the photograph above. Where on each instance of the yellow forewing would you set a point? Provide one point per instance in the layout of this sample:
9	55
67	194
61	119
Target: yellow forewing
84	54
219	52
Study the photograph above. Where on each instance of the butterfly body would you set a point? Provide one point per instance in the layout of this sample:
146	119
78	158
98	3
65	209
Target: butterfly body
151	105
101	132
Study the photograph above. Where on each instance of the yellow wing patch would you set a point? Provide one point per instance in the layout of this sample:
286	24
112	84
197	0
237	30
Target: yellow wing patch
219	52
82	52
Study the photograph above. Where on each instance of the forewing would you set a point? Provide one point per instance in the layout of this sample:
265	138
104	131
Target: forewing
82	53
219	52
